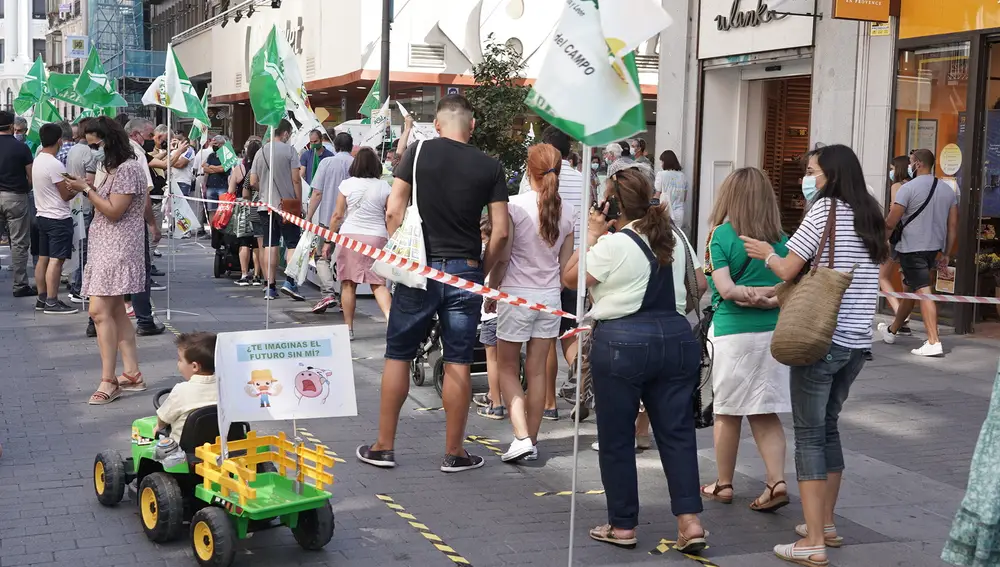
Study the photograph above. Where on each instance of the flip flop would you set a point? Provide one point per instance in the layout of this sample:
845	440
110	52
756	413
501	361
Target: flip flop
692	545
131	383
773	502
606	534
714	495
100	398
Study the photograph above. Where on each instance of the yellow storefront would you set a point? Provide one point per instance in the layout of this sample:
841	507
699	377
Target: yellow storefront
947	100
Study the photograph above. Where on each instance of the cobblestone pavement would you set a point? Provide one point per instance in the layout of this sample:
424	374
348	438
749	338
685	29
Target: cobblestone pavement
908	430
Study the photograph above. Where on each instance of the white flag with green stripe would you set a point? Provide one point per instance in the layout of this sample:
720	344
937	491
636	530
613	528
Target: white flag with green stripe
591	52
199	130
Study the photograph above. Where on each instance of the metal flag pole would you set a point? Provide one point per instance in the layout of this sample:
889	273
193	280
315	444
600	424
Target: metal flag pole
270	233
581	294
171	261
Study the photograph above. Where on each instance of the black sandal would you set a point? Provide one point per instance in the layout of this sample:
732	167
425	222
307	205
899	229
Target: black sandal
773	502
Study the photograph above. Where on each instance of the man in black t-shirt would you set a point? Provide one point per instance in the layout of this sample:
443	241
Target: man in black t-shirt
454	182
15	206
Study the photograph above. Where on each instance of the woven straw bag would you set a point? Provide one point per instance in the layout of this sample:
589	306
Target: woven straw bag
810	305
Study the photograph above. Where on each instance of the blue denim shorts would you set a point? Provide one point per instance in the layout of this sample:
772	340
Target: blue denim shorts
458	311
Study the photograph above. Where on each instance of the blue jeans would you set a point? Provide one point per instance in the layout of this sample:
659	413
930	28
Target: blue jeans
141	301
818	394
78	273
458	311
213	193
653	359
185	189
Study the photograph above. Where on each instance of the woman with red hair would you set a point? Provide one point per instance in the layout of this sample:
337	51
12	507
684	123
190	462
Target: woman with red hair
541	242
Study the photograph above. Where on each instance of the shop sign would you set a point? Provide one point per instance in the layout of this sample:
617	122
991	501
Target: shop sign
738	27
77	47
879	30
863	10
950	159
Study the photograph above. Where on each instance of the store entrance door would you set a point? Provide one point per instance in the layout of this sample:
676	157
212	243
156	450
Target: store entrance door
785	141
988	256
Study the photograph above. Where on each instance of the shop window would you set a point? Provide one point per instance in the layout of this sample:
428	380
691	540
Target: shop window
38	9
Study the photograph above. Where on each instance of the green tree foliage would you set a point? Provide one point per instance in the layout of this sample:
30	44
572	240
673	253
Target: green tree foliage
498	99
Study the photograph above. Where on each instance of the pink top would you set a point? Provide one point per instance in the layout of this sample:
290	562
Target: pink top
533	263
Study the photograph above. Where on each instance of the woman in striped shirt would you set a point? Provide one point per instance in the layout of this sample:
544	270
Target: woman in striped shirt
833	178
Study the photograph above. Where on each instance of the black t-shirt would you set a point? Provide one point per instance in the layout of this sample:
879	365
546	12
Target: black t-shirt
216	180
454	182
14	157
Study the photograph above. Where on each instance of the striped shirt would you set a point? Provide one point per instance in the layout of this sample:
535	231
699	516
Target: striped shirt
857	310
571	191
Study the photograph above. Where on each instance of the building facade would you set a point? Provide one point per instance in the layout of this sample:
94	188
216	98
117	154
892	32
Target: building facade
22	39
434	46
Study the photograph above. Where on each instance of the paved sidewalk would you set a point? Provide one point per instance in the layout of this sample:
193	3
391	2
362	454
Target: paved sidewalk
909	430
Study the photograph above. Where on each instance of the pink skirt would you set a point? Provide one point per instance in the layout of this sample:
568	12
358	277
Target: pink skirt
354	267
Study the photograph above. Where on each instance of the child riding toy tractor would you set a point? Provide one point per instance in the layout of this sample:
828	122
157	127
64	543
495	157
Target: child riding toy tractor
266	482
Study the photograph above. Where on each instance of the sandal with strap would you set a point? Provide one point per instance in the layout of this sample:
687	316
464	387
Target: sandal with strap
802	555
100	398
132	383
774	501
606	533
830	536
691	545
714	495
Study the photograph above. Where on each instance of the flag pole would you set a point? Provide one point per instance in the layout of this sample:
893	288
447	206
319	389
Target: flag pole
581	294
270	232
171	261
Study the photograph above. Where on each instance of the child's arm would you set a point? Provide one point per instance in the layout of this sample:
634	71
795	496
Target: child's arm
160	424
168	412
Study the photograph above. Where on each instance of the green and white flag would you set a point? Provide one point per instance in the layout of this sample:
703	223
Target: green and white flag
94	87
41	114
375	135
267	83
167	90
592	53
296	97
87	113
199	130
227	156
33	88
371	102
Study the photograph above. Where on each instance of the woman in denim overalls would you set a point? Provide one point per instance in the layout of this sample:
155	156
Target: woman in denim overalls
643	350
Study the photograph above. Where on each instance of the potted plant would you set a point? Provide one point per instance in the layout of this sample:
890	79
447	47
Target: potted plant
988	264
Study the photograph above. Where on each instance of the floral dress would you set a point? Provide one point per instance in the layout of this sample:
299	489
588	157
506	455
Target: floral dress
974	540
116	250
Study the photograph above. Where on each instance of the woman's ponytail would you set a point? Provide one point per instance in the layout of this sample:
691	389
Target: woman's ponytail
635	194
544	164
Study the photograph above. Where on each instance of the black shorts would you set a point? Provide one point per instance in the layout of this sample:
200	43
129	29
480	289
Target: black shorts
55	238
568	299
278	231
917	268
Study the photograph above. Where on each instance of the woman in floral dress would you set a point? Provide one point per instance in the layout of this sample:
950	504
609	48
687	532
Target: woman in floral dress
974	540
115	265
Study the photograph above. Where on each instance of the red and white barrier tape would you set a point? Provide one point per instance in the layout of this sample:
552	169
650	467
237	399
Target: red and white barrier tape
941	298
382	255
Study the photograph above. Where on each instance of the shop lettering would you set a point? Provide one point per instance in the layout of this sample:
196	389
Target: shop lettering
747	19
576	57
294	37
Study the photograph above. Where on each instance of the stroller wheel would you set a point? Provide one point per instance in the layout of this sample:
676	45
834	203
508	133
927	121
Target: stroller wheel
417	372
439	375
523	375
219	268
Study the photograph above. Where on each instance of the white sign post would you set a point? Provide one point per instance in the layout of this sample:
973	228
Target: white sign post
284	374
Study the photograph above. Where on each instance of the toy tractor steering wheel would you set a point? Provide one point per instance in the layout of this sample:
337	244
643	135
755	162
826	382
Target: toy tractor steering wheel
159	395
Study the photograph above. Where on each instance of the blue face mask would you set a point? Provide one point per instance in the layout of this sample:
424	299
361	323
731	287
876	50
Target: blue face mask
809	189
911	171
892	175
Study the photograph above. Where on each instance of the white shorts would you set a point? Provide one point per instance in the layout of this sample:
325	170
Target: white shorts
520	324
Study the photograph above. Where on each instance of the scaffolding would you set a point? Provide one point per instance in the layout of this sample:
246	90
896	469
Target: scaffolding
116	29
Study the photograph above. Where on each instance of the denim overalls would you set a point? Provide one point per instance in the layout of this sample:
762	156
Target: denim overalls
652	356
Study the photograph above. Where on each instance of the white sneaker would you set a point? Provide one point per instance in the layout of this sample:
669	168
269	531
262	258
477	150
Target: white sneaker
533	456
519	449
888	337
929	349
595	446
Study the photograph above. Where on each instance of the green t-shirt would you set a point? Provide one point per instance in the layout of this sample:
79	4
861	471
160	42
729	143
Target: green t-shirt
725	249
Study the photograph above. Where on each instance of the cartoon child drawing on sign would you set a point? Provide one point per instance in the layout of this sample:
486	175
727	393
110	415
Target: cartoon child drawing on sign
263	385
313	383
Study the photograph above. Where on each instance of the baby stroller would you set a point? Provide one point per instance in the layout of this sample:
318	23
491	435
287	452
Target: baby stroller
430	353
225	241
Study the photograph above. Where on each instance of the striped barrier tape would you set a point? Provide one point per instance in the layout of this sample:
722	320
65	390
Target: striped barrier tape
941	298
382	255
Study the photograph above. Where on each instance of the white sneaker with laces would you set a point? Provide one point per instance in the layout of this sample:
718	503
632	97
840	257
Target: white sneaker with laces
597	447
888	337
928	349
519	449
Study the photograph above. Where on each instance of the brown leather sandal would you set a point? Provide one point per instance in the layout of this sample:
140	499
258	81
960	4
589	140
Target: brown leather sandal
714	495
100	398
132	383
774	501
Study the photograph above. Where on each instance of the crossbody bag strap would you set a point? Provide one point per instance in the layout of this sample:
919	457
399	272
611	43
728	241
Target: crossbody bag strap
927	201
416	157
828	237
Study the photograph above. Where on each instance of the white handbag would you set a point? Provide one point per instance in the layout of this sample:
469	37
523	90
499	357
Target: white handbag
407	242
